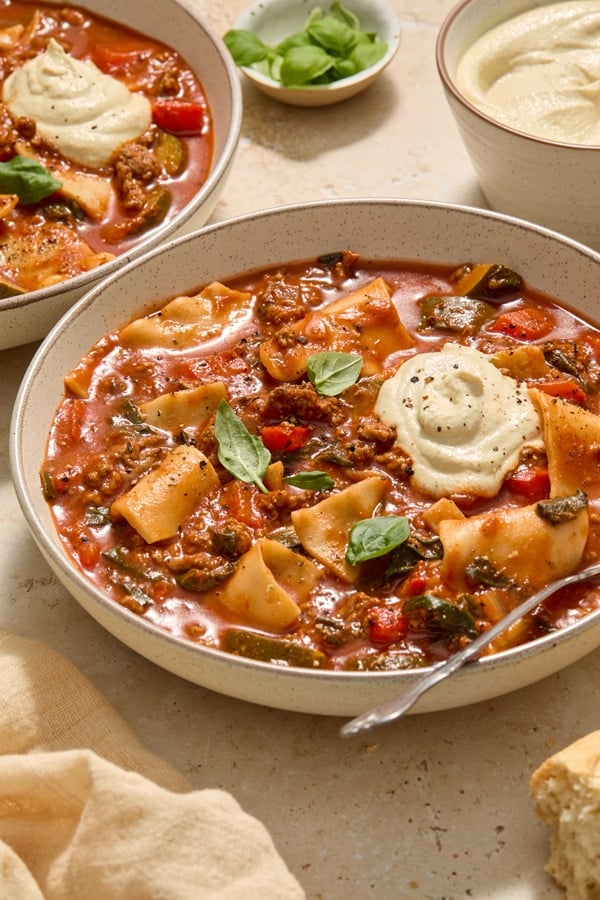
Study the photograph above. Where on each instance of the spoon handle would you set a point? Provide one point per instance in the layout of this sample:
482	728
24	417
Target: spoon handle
395	708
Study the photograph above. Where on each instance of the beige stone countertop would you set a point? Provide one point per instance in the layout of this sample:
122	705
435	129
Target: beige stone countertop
437	805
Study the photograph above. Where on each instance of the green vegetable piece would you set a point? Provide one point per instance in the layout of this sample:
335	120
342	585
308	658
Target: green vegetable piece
141	599
371	538
9	289
311	481
442	615
451	313
28	179
562	509
155	210
481	571
243	454
118	557
558	359
170	153
490	281
331	372
197	580
97	516
48	488
267	649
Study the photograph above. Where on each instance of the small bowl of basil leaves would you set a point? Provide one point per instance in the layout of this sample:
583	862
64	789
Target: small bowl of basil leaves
309	55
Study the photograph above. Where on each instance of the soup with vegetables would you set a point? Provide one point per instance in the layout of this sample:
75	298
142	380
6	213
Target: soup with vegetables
104	134
338	463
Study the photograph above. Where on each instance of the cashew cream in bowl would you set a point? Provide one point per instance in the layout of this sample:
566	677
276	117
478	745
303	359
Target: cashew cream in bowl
539	72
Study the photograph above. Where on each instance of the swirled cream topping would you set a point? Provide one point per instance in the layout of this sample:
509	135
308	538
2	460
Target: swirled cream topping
461	420
540	72
84	112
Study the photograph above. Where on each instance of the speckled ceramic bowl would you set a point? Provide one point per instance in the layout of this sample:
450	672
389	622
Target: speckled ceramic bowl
30	316
374	228
554	184
274	20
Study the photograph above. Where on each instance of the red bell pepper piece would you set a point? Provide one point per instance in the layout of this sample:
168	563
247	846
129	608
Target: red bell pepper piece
178	116
533	483
285	437
386	624
110	59
565	388
526	323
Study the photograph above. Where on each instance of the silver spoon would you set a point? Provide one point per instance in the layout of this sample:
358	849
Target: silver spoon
395	708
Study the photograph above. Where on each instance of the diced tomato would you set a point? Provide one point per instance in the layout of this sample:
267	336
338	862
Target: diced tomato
533	483
109	59
525	323
239	498
386	624
71	419
416	585
285	437
178	116
565	388
88	553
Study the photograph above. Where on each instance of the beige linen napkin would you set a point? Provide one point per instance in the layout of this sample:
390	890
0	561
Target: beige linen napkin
87	811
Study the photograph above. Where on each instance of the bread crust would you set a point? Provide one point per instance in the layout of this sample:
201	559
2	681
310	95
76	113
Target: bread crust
566	792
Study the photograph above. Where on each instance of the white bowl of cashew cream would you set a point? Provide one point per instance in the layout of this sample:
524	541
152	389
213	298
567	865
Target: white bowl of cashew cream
522	79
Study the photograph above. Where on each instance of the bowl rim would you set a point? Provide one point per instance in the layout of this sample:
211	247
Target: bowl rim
393	35
208	189
52	549
450	85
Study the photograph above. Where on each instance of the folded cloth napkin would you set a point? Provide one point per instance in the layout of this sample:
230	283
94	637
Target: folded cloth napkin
87	811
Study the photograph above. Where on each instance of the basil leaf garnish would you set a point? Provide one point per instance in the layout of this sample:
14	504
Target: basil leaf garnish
371	538
26	178
243	454
332	372
311	481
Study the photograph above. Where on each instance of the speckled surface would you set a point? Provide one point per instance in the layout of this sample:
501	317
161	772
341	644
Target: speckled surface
436	806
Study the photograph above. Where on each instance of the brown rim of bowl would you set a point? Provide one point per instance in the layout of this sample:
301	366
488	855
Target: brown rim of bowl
451	87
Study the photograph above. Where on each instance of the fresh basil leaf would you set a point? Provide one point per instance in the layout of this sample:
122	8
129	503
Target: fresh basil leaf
345	68
301	65
243	454
298	39
245	47
28	179
366	55
371	538
332	372
333	35
311	481
345	15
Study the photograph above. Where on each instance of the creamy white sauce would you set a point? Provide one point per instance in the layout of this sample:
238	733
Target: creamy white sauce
540	72
463	423
84	112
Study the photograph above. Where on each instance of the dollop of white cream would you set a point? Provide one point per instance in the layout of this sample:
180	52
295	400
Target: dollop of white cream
463	423
540	72
84	112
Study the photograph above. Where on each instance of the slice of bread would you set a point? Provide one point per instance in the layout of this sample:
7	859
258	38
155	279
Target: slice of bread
566	792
